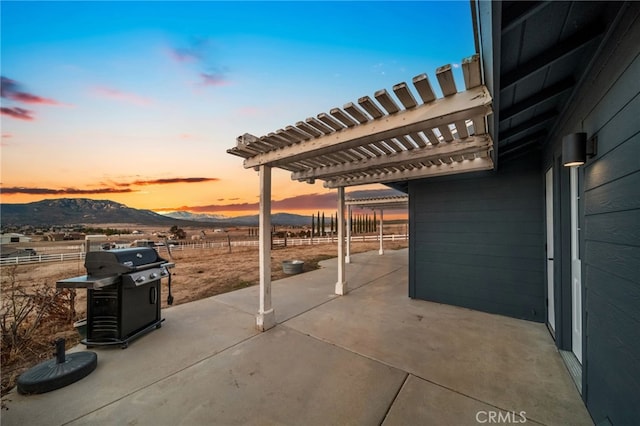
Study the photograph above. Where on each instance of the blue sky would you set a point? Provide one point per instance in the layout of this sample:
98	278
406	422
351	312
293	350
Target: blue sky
137	102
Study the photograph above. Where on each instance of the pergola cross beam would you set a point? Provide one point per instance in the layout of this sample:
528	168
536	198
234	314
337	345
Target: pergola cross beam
443	169
465	146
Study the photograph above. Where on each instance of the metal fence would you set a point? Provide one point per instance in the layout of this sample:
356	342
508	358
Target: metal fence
289	242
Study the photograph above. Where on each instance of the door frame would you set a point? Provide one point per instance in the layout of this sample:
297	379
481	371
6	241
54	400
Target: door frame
577	307
549	250
562	253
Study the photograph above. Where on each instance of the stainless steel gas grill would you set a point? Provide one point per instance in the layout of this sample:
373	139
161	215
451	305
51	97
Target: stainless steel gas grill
123	294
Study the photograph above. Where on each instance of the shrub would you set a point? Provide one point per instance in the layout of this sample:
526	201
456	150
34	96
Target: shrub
28	319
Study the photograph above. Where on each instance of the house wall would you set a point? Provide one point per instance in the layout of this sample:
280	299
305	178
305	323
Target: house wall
608	106
478	240
14	238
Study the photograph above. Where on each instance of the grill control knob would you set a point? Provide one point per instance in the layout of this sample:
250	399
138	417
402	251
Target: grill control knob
153	275
140	279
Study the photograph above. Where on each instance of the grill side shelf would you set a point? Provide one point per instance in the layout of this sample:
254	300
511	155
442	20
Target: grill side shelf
85	281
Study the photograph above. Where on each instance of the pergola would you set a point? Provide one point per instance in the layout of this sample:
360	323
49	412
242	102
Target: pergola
373	141
373	203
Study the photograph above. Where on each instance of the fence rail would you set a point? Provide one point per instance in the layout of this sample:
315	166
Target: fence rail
62	257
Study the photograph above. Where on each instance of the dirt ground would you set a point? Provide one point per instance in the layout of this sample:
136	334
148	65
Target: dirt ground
198	273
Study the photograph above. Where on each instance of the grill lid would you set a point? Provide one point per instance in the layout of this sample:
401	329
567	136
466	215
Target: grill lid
121	261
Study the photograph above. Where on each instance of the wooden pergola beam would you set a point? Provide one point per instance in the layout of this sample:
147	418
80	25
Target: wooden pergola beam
454	167
441	112
466	146
388	203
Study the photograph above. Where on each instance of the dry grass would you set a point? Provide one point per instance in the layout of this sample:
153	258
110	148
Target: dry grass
205	273
198	273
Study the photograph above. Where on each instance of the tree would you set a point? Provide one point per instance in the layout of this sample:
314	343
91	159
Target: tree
178	232
313	225
323	228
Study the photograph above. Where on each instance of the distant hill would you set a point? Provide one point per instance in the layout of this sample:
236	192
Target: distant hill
197	217
68	211
75	211
279	219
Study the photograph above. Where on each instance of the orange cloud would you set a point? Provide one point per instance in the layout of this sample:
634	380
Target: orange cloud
197	50
173	180
113	188
213	79
111	93
65	191
327	201
199	53
10	89
17	112
165	181
250	111
300	202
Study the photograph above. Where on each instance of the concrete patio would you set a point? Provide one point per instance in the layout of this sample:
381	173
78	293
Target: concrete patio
371	357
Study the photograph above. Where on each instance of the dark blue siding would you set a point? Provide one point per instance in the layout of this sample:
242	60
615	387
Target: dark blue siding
612	269
478	240
608	106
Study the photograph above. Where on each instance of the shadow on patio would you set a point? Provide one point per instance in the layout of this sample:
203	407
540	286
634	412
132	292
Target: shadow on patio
374	356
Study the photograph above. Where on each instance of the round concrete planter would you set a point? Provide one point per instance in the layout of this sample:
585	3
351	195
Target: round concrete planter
291	267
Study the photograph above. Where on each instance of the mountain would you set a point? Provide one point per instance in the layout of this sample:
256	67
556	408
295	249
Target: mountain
75	211
70	211
279	219
197	217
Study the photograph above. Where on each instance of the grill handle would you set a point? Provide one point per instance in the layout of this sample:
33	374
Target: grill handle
170	296
153	295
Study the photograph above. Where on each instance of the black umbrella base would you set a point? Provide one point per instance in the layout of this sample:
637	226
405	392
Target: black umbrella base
57	373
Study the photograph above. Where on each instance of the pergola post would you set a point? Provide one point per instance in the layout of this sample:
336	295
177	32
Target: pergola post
347	258
341	284
381	252
266	318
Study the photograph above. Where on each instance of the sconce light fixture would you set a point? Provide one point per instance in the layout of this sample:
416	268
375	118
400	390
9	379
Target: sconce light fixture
576	148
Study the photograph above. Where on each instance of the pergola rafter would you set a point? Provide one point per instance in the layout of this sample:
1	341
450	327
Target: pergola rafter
380	139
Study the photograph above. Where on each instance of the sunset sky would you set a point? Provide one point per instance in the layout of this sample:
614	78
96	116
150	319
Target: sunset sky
137	102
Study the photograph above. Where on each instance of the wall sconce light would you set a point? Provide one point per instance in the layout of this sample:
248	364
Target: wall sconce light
576	148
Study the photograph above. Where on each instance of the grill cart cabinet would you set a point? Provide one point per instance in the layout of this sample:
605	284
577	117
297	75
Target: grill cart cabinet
123	294
118	313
